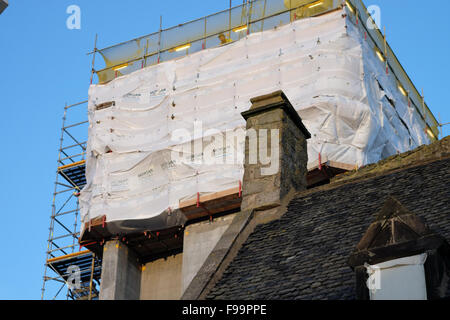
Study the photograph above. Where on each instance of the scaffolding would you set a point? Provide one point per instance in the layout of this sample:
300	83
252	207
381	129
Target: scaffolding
237	22
66	264
63	250
211	31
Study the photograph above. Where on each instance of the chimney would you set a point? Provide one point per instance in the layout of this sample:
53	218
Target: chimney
275	152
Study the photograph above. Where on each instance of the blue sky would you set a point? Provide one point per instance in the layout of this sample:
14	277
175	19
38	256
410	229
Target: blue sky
44	66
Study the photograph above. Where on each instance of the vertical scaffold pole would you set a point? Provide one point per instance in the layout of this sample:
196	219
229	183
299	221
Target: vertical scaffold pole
385	51
204	37
229	22
248	16
290	10
264	15
144	62
423	108
93	58
51	228
159	38
92	276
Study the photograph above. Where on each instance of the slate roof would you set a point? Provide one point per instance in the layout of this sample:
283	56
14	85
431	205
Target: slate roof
303	255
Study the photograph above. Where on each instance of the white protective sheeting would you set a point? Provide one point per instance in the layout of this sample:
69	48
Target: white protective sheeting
399	279
329	73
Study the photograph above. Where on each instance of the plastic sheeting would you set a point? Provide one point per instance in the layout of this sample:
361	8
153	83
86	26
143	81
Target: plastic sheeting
332	77
399	279
258	15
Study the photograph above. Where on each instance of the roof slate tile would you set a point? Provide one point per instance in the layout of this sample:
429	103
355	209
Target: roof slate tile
303	255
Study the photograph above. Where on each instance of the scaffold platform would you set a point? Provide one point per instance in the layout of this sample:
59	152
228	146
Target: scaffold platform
65	260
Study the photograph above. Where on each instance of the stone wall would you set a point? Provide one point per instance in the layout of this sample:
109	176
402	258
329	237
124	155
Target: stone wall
161	279
199	240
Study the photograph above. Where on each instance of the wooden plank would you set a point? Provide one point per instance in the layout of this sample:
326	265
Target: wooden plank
315	164
204	212
211	204
208	197
341	165
334	164
79	163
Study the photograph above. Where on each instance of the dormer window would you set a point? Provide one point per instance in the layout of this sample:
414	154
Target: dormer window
400	258
398	279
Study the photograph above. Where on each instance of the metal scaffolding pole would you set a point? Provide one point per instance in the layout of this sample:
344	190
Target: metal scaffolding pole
64	230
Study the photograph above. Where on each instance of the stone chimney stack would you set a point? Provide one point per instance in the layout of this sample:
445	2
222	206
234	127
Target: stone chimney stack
275	152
